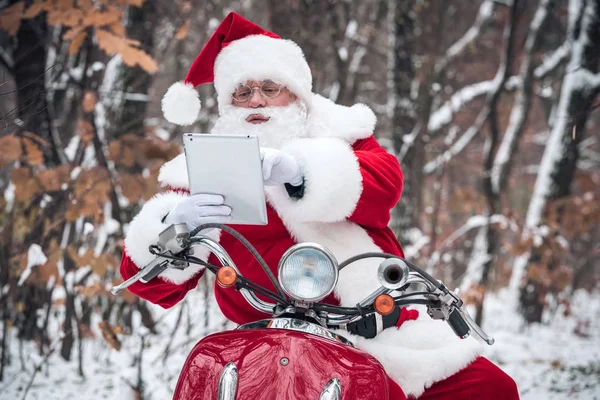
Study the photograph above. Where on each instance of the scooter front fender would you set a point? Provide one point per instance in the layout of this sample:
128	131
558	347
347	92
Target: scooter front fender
280	364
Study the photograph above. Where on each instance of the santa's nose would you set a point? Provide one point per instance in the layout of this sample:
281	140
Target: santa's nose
257	100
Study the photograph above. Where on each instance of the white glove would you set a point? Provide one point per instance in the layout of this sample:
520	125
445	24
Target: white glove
279	167
200	209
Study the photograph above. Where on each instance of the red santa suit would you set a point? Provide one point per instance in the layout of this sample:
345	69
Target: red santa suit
351	184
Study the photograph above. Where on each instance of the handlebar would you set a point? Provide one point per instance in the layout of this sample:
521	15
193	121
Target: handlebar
173	251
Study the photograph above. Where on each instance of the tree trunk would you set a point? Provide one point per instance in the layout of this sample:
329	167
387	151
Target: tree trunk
402	73
559	162
29	72
136	82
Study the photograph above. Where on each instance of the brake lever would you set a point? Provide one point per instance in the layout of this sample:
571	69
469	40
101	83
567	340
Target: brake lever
467	318
158	265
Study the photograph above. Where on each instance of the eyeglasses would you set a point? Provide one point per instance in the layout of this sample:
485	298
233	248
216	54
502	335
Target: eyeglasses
267	89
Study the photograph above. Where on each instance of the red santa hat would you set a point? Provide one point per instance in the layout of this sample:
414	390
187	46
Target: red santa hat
237	52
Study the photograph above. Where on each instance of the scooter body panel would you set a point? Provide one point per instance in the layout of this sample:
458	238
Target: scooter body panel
280	364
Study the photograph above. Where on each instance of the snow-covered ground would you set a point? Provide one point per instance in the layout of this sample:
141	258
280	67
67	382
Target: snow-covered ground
547	361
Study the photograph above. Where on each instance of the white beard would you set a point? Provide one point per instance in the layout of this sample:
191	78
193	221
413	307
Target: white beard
284	124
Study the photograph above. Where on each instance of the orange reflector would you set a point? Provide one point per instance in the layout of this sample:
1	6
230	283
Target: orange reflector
384	304
226	277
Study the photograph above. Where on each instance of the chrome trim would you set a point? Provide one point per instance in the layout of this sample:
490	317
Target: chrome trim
392	264
332	390
228	382
488	339
368	301
224	259
314	246
414	277
293	324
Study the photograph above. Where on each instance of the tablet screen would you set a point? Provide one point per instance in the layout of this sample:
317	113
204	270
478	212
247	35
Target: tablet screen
229	166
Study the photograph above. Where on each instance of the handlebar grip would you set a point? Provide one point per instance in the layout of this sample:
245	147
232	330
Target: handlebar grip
458	324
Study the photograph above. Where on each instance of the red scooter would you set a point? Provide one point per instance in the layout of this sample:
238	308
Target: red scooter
295	354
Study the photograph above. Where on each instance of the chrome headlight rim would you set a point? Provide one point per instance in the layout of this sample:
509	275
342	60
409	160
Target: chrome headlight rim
313	246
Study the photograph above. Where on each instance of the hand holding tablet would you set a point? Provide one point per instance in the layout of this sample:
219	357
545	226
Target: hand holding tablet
200	209
279	168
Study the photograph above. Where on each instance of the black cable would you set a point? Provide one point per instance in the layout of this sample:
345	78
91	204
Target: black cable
369	309
214	268
248	246
387	255
242	280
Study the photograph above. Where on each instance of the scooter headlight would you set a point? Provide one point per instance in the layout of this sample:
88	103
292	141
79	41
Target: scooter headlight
308	272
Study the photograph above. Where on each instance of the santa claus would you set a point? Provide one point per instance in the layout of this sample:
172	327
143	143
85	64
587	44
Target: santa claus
327	180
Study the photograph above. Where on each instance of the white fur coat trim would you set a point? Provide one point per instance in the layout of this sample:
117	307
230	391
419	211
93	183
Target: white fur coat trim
174	173
144	229
332	180
420	353
334	120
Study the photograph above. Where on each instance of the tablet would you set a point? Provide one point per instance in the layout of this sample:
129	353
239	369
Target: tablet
229	166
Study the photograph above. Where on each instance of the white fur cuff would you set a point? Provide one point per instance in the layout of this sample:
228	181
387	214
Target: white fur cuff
144	229
420	353
332	179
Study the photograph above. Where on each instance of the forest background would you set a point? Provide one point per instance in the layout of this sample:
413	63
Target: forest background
491	107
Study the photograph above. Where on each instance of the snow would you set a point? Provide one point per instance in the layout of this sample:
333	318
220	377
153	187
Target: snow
343	53
443	115
486	10
71	148
109	227
456	148
88	228
9	196
35	257
550	62
548	361
418	240
351	29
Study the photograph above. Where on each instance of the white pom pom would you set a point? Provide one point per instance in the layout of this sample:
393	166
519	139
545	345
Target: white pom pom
181	105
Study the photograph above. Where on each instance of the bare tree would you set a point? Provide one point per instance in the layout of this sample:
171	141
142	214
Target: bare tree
580	87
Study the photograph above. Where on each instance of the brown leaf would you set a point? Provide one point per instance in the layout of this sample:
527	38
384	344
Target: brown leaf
126	151
111	44
71	17
44	272
132	56
91	291
35	156
84	5
83	260
50	179
10	18
89	101
100	265
37	139
183	31
118	28
109	334
10	149
98	18
26	187
72	33
85	130
132	186
76	43
137	3
37	8
20	176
